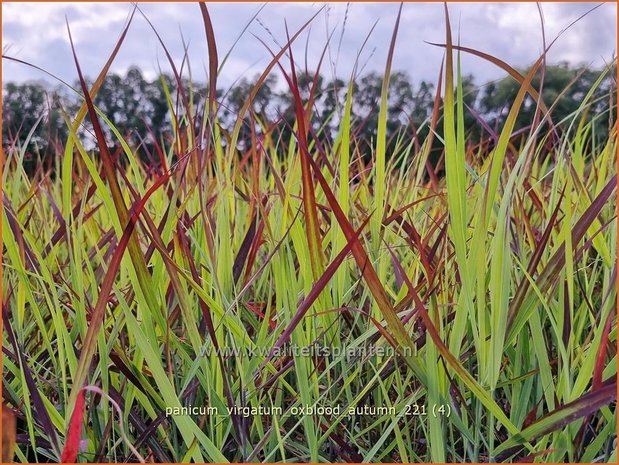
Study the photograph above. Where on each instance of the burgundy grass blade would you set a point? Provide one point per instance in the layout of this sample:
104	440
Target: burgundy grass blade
74	433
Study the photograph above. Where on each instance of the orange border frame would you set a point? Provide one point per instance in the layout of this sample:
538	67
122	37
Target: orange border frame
307	1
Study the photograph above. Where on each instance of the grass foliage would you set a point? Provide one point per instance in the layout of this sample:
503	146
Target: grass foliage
472	296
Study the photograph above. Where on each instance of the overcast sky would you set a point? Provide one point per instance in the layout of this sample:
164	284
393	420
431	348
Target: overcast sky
36	32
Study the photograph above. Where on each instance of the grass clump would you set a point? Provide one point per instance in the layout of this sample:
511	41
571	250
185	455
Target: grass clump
296	299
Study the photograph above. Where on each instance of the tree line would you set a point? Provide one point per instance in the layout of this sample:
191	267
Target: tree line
35	113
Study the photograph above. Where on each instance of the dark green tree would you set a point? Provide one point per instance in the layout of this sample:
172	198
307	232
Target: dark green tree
33	107
564	86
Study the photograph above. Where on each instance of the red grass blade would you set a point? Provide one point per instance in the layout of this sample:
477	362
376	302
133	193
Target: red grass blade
74	433
505	67
309	196
213	62
262	78
8	434
601	355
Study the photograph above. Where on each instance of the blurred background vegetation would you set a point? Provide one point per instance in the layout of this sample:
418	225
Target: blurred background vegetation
139	110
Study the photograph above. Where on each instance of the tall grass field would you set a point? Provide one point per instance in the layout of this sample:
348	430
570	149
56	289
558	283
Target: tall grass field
290	293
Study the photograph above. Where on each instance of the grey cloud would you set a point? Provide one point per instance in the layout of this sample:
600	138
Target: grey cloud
510	31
